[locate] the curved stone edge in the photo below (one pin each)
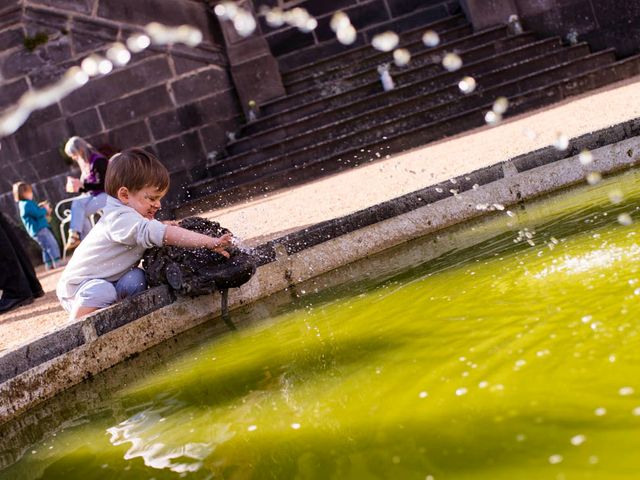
(70, 355)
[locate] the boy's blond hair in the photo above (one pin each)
(135, 169)
(19, 189)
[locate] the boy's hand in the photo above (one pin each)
(221, 243)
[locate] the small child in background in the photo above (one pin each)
(104, 269)
(34, 219)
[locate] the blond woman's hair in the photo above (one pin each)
(79, 146)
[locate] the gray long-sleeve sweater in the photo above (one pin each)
(112, 248)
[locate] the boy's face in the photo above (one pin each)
(146, 201)
(28, 194)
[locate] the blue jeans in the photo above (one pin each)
(99, 293)
(49, 246)
(82, 208)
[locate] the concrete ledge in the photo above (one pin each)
(36, 372)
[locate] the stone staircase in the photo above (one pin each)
(336, 114)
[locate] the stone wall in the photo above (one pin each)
(178, 102)
(600, 23)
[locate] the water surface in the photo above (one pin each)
(515, 358)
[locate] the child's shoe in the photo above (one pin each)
(73, 241)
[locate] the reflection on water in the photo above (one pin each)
(513, 356)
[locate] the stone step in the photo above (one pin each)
(427, 18)
(327, 111)
(207, 193)
(373, 58)
(384, 124)
(409, 38)
(472, 48)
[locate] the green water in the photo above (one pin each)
(500, 361)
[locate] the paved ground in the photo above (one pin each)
(353, 190)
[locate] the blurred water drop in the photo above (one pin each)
(578, 440)
(626, 391)
(492, 118)
(600, 411)
(386, 41)
(561, 142)
(467, 85)
(616, 196)
(401, 57)
(423, 395)
(529, 133)
(430, 38)
(252, 428)
(339, 20)
(295, 426)
(90, 65)
(593, 178)
(555, 459)
(625, 219)
(274, 17)
(501, 105)
(636, 411)
(138, 42)
(452, 62)
(346, 35)
(586, 157)
(119, 54)
(461, 391)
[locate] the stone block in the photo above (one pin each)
(94, 28)
(181, 152)
(187, 64)
(19, 62)
(132, 135)
(488, 13)
(200, 84)
(403, 7)
(80, 6)
(32, 139)
(258, 80)
(121, 82)
(214, 136)
(7, 177)
(10, 17)
(362, 15)
(173, 122)
(58, 50)
(131, 309)
(141, 12)
(288, 40)
(85, 123)
(45, 21)
(136, 106)
(11, 38)
(48, 163)
(11, 92)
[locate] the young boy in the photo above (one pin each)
(104, 268)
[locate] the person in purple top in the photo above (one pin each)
(90, 185)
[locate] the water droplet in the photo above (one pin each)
(430, 38)
(492, 118)
(252, 428)
(467, 85)
(587, 318)
(401, 57)
(346, 35)
(423, 395)
(521, 437)
(555, 459)
(529, 133)
(600, 411)
(593, 459)
(616, 196)
(593, 178)
(395, 459)
(386, 41)
(625, 219)
(626, 391)
(452, 62)
(578, 440)
(461, 391)
(501, 105)
(585, 157)
(636, 411)
(295, 426)
(561, 142)
(483, 384)
(429, 477)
